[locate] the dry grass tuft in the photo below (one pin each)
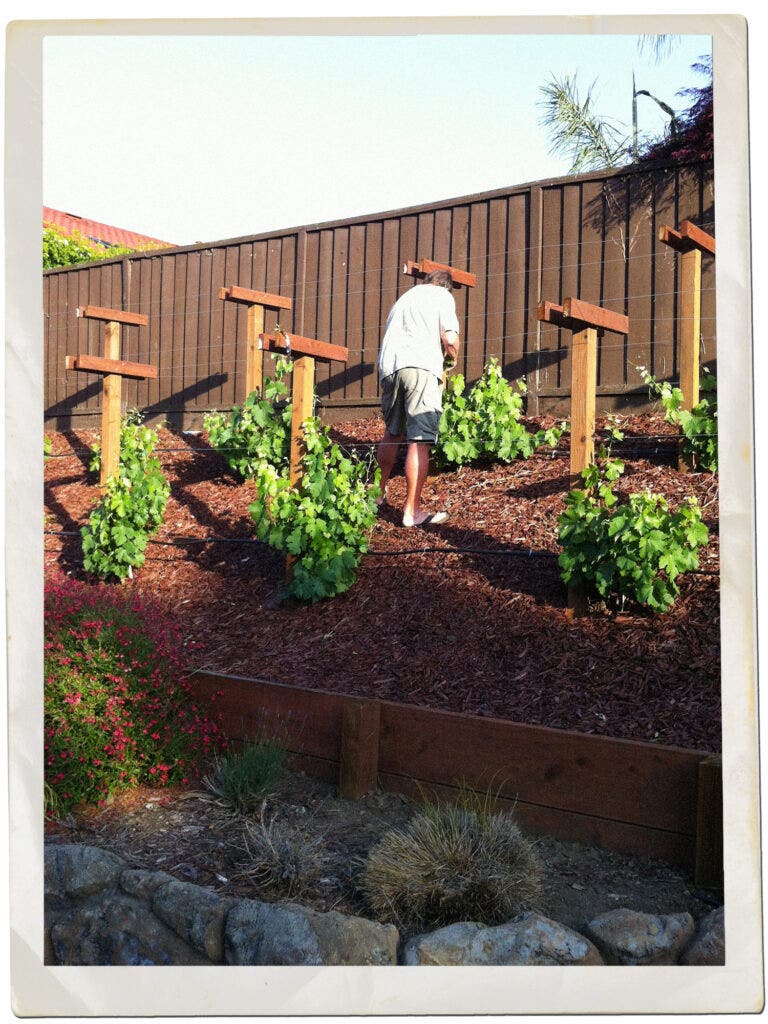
(452, 863)
(285, 861)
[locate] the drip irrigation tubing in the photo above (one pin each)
(491, 552)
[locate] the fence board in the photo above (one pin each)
(665, 281)
(353, 334)
(610, 352)
(553, 339)
(373, 318)
(478, 348)
(516, 360)
(496, 279)
(570, 255)
(639, 276)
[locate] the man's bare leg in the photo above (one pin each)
(416, 469)
(386, 456)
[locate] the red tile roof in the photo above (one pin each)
(102, 234)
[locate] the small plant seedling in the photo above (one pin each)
(699, 426)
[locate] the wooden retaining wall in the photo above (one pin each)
(632, 797)
(593, 236)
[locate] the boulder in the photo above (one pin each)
(74, 871)
(631, 938)
(195, 914)
(526, 940)
(708, 946)
(122, 932)
(269, 934)
(143, 884)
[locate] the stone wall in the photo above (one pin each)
(99, 911)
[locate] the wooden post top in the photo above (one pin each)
(117, 316)
(575, 314)
(237, 294)
(424, 267)
(688, 236)
(98, 364)
(294, 344)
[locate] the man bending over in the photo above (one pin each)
(421, 330)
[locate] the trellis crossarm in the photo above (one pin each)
(688, 237)
(294, 344)
(237, 294)
(551, 313)
(98, 364)
(117, 316)
(576, 314)
(595, 316)
(424, 267)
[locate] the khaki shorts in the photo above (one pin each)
(412, 403)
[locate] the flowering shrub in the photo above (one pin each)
(118, 708)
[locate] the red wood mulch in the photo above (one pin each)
(485, 634)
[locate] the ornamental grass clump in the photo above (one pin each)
(240, 779)
(119, 710)
(286, 861)
(451, 863)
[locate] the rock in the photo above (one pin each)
(527, 940)
(120, 931)
(708, 946)
(268, 934)
(78, 871)
(195, 914)
(140, 883)
(634, 939)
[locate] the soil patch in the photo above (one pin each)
(182, 833)
(468, 616)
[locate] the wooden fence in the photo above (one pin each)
(594, 236)
(633, 797)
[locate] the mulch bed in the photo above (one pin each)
(483, 631)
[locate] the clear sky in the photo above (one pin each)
(201, 138)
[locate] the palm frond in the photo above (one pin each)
(576, 130)
(658, 46)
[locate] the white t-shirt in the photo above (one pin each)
(414, 328)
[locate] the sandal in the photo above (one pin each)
(434, 519)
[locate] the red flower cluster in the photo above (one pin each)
(118, 705)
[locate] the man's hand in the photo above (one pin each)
(450, 340)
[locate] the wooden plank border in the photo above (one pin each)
(629, 796)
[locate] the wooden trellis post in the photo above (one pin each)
(257, 302)
(113, 369)
(304, 351)
(690, 241)
(584, 320)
